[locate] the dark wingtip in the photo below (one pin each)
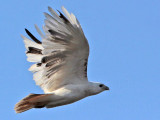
(39, 64)
(43, 60)
(63, 17)
(32, 37)
(34, 50)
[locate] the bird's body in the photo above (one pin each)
(68, 94)
(60, 67)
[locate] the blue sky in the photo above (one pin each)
(124, 38)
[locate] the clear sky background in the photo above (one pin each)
(124, 38)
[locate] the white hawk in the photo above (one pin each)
(60, 63)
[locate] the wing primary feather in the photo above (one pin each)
(54, 14)
(63, 17)
(67, 15)
(39, 31)
(39, 64)
(54, 62)
(54, 33)
(54, 55)
(32, 37)
(61, 41)
(34, 50)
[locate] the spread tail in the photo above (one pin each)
(32, 101)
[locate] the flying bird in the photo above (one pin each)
(60, 63)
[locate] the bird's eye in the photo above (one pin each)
(101, 85)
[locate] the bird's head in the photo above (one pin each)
(97, 88)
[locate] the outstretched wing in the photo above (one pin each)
(61, 58)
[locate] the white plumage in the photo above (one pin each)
(60, 63)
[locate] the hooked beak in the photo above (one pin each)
(106, 88)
